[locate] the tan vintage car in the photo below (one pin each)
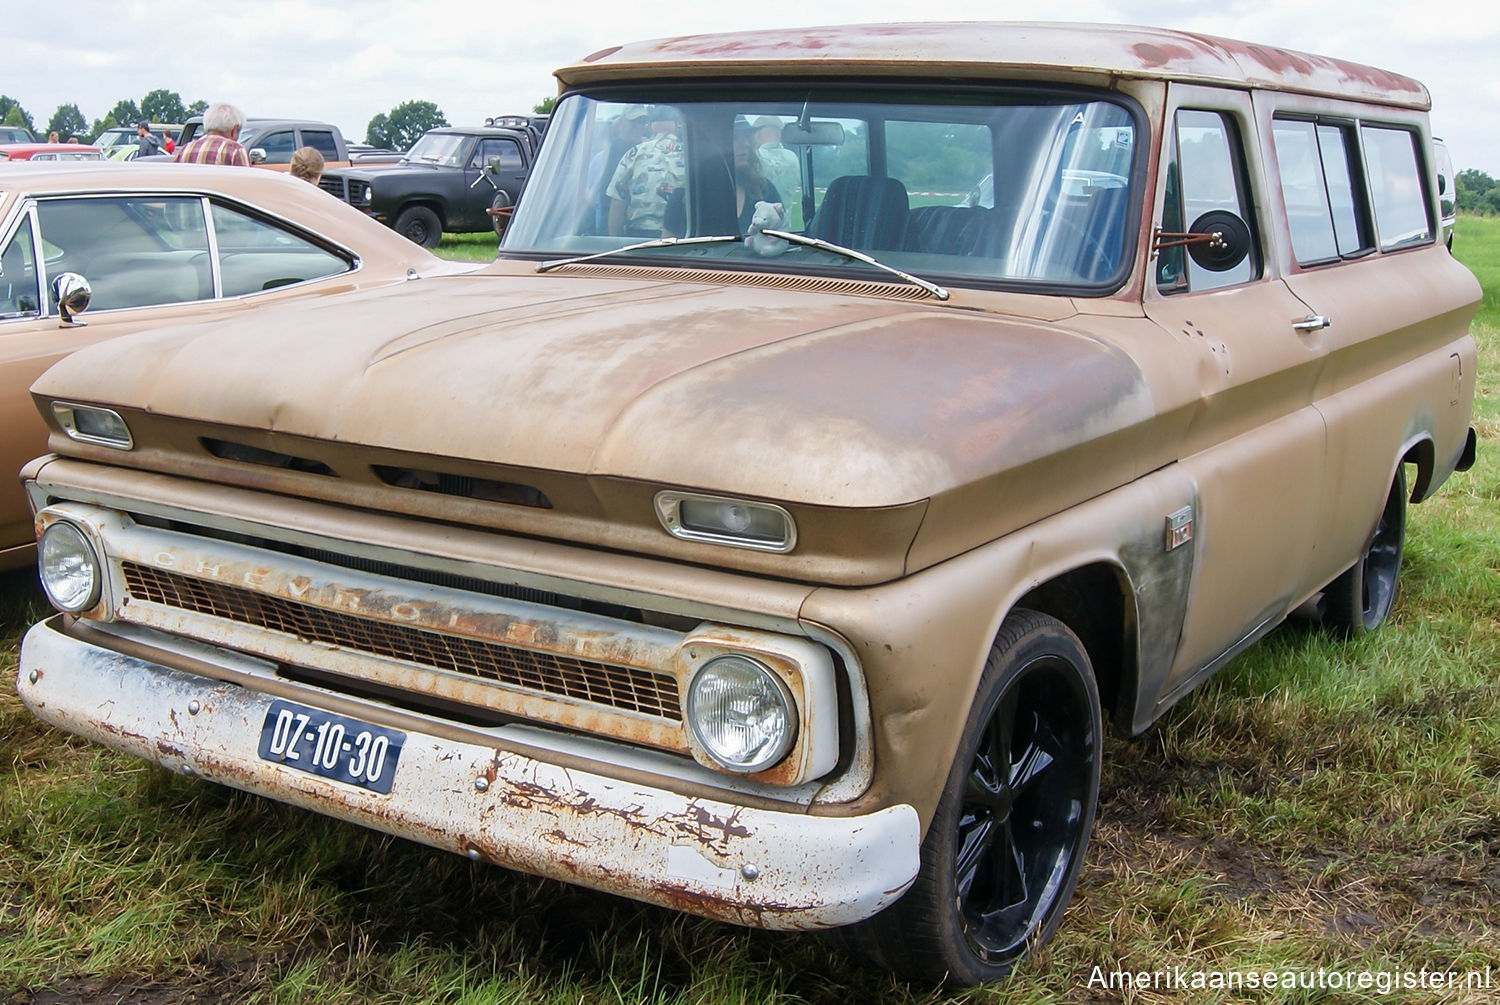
(157, 245)
(855, 421)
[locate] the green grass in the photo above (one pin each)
(468, 247)
(1318, 804)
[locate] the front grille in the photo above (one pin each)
(333, 186)
(627, 688)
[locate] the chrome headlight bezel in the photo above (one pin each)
(63, 542)
(763, 684)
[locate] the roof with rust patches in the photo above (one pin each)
(1092, 53)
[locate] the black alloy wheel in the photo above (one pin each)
(1006, 844)
(1360, 600)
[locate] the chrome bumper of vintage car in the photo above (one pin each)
(768, 868)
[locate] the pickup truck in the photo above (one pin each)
(453, 179)
(277, 139)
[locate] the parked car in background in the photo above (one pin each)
(535, 126)
(277, 139)
(786, 576)
(48, 152)
(157, 245)
(119, 143)
(1447, 193)
(16, 134)
(449, 181)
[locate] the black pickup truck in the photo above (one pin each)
(449, 181)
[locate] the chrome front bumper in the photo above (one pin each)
(768, 868)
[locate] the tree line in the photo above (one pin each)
(1476, 192)
(397, 129)
(68, 122)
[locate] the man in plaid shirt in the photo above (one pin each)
(219, 143)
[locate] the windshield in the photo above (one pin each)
(1007, 187)
(436, 148)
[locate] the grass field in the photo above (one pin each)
(1320, 804)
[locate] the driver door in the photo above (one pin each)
(1254, 443)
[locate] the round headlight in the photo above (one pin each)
(68, 568)
(741, 713)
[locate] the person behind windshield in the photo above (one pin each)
(782, 166)
(624, 132)
(750, 182)
(646, 177)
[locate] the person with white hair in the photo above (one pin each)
(220, 142)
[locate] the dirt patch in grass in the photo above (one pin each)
(224, 979)
(1359, 896)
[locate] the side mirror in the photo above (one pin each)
(72, 294)
(257, 155)
(1218, 240)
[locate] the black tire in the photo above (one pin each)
(500, 220)
(1360, 600)
(1006, 844)
(419, 225)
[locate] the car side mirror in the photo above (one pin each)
(72, 294)
(1218, 240)
(257, 155)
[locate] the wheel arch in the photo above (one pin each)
(1423, 454)
(1096, 602)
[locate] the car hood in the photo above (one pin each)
(366, 172)
(812, 398)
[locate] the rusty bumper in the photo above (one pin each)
(752, 866)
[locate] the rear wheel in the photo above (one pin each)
(1360, 600)
(419, 225)
(1003, 854)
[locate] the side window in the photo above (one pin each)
(1395, 172)
(507, 154)
(1316, 163)
(320, 140)
(1205, 171)
(279, 146)
(256, 255)
(19, 297)
(135, 251)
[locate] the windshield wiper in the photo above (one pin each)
(660, 242)
(839, 249)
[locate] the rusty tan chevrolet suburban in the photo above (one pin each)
(854, 422)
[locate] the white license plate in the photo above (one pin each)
(331, 746)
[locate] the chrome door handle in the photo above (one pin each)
(1312, 323)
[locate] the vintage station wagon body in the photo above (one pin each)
(753, 577)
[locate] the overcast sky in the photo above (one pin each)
(344, 62)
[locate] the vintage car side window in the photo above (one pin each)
(279, 146)
(256, 255)
(322, 141)
(1204, 173)
(18, 276)
(504, 154)
(1318, 184)
(135, 251)
(1395, 171)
